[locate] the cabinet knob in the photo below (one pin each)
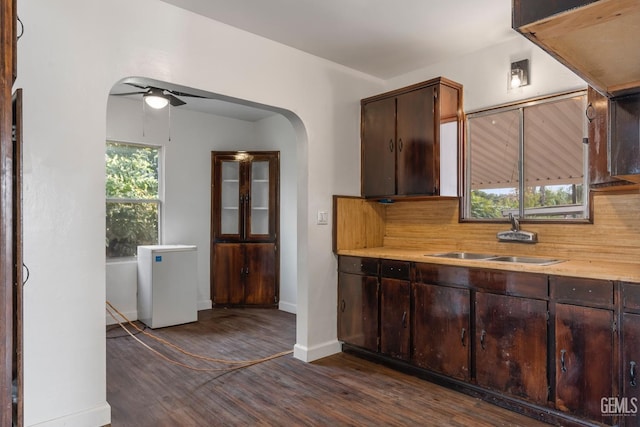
(391, 145)
(483, 334)
(400, 145)
(343, 305)
(462, 336)
(404, 320)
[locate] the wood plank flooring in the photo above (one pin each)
(341, 390)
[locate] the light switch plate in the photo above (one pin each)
(323, 218)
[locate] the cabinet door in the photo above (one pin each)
(511, 345)
(583, 360)
(260, 284)
(631, 356)
(440, 329)
(379, 148)
(227, 197)
(395, 300)
(227, 274)
(416, 142)
(358, 310)
(261, 197)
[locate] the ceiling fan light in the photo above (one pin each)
(156, 101)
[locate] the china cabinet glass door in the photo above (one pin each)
(259, 212)
(230, 209)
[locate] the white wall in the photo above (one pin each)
(72, 54)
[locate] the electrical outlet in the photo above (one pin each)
(323, 218)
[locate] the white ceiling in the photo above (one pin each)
(382, 38)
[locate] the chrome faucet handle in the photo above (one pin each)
(515, 224)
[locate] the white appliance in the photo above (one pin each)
(167, 285)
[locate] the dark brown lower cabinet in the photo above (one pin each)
(358, 310)
(244, 274)
(395, 313)
(511, 345)
(440, 329)
(583, 360)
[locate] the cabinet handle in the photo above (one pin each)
(343, 305)
(404, 320)
(483, 334)
(632, 371)
(462, 336)
(563, 367)
(400, 145)
(391, 145)
(246, 271)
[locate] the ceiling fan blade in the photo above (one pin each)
(137, 85)
(176, 93)
(127, 93)
(174, 101)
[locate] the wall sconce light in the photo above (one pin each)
(155, 98)
(519, 75)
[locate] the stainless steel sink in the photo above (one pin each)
(463, 255)
(498, 258)
(525, 260)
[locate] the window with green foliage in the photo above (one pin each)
(528, 160)
(133, 198)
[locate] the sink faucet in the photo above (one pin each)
(515, 225)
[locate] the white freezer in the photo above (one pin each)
(167, 285)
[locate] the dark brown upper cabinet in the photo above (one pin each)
(411, 139)
(595, 39)
(245, 196)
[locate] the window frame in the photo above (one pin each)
(465, 203)
(159, 201)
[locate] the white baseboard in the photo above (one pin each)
(93, 417)
(307, 354)
(131, 315)
(288, 307)
(205, 305)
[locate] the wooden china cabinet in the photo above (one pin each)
(11, 378)
(245, 228)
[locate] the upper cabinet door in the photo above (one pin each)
(415, 142)
(379, 147)
(261, 197)
(228, 197)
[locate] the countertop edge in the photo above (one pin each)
(625, 272)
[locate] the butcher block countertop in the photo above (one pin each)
(626, 272)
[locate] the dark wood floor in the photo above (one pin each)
(340, 390)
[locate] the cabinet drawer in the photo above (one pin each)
(582, 291)
(442, 275)
(358, 265)
(513, 283)
(631, 295)
(395, 269)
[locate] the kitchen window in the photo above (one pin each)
(132, 198)
(529, 160)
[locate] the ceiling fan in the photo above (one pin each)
(158, 98)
